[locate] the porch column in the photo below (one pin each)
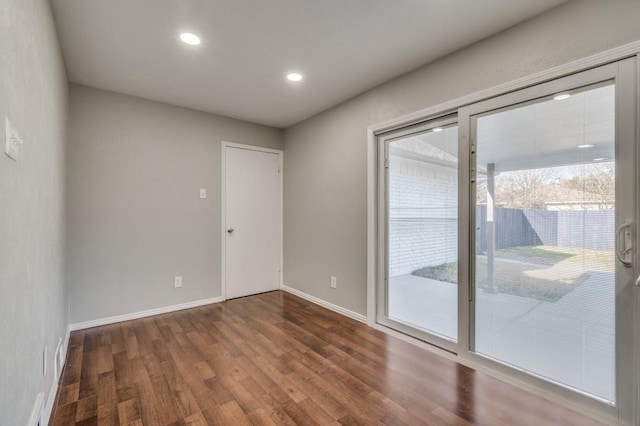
(491, 233)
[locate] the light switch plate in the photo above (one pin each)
(203, 192)
(12, 141)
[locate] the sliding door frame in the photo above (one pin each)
(621, 74)
(626, 410)
(382, 316)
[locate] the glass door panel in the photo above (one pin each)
(506, 234)
(422, 230)
(545, 209)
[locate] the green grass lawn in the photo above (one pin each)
(599, 260)
(544, 273)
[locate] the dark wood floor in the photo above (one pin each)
(276, 359)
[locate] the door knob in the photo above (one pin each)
(230, 231)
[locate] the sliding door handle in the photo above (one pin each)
(624, 243)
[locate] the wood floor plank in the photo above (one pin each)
(128, 411)
(68, 393)
(122, 369)
(65, 415)
(273, 409)
(117, 341)
(164, 402)
(260, 417)
(315, 412)
(107, 399)
(233, 414)
(73, 366)
(181, 394)
(105, 358)
(276, 359)
(322, 396)
(243, 397)
(151, 409)
(196, 419)
(89, 375)
(219, 393)
(87, 408)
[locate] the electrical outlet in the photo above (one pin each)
(177, 282)
(203, 193)
(12, 140)
(334, 282)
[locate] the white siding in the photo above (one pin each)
(422, 215)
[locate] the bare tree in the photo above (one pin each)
(596, 183)
(584, 186)
(525, 189)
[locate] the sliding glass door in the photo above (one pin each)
(420, 293)
(508, 236)
(552, 206)
(545, 204)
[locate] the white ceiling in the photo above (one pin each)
(547, 133)
(342, 47)
(541, 134)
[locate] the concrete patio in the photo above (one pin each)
(571, 341)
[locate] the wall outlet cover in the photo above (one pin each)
(12, 141)
(44, 360)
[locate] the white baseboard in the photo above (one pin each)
(142, 314)
(339, 309)
(53, 390)
(37, 413)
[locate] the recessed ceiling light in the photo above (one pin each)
(189, 38)
(437, 129)
(294, 76)
(561, 96)
(585, 146)
(599, 159)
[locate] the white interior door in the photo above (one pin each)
(252, 221)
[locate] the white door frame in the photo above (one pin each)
(223, 212)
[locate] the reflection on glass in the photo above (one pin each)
(423, 231)
(545, 217)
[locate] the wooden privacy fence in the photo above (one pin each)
(590, 229)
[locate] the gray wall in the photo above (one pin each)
(135, 219)
(33, 301)
(325, 175)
